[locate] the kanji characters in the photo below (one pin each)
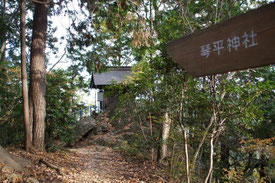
(205, 50)
(233, 43)
(247, 40)
(218, 45)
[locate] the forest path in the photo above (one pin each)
(88, 164)
(102, 164)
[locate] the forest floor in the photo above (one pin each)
(90, 160)
(87, 164)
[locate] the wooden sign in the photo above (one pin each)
(245, 41)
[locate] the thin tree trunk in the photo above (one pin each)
(38, 73)
(3, 49)
(214, 137)
(150, 121)
(211, 158)
(31, 114)
(186, 156)
(187, 166)
(151, 133)
(141, 127)
(165, 134)
(3, 6)
(202, 140)
(184, 138)
(28, 130)
(3, 36)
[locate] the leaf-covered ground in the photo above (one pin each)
(89, 164)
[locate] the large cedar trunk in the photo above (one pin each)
(38, 73)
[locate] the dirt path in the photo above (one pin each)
(90, 164)
(102, 164)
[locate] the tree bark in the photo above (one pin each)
(38, 73)
(3, 49)
(151, 132)
(31, 115)
(207, 179)
(165, 134)
(185, 138)
(187, 166)
(28, 129)
(186, 156)
(3, 39)
(202, 142)
(214, 137)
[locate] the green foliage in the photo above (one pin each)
(11, 109)
(122, 31)
(244, 101)
(60, 98)
(61, 101)
(245, 106)
(129, 149)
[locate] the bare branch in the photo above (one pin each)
(58, 61)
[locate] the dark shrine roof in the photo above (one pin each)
(114, 74)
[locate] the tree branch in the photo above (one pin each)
(57, 61)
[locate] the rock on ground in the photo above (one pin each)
(11, 161)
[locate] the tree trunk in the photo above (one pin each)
(186, 156)
(185, 138)
(28, 130)
(214, 137)
(151, 132)
(3, 49)
(31, 115)
(210, 170)
(3, 37)
(205, 133)
(165, 134)
(38, 73)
